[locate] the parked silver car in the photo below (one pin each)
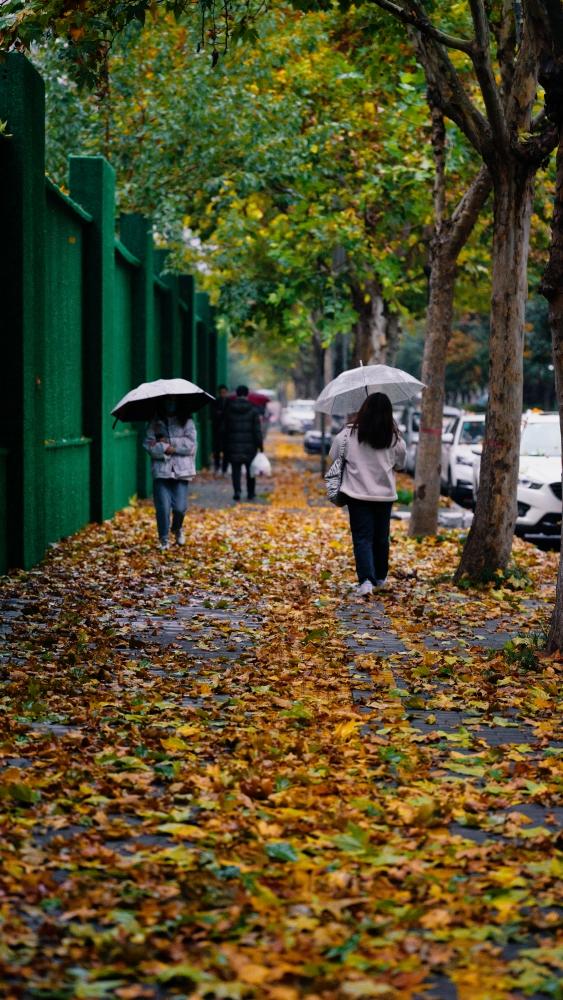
(298, 416)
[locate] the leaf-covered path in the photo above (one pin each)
(221, 776)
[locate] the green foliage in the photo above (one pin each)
(292, 186)
(523, 651)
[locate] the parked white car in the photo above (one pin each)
(539, 477)
(409, 424)
(298, 416)
(464, 433)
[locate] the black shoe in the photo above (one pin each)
(236, 497)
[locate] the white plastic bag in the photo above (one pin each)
(260, 465)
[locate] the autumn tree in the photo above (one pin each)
(497, 116)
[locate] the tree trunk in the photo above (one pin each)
(489, 543)
(449, 238)
(376, 328)
(424, 518)
(552, 288)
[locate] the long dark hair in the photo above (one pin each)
(374, 423)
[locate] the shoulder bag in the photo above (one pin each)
(333, 478)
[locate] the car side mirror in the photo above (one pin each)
(447, 438)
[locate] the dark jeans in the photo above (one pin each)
(170, 495)
(236, 468)
(369, 523)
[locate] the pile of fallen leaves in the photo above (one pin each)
(248, 808)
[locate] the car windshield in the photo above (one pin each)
(472, 432)
(542, 438)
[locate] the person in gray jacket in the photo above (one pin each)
(171, 441)
(373, 450)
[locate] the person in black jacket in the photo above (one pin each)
(243, 438)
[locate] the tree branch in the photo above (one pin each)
(484, 71)
(422, 23)
(443, 80)
(467, 210)
(448, 93)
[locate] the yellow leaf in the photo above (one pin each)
(346, 729)
(174, 743)
(366, 988)
(254, 974)
(189, 729)
(182, 830)
(506, 877)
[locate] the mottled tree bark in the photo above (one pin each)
(377, 329)
(424, 518)
(489, 542)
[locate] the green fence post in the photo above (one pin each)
(222, 359)
(92, 185)
(136, 234)
(171, 330)
(203, 368)
(189, 332)
(22, 291)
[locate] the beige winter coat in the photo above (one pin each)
(182, 438)
(369, 473)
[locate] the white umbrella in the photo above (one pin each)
(346, 393)
(140, 403)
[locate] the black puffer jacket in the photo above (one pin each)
(243, 434)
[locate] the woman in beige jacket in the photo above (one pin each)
(373, 449)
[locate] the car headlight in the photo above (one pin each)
(460, 460)
(529, 483)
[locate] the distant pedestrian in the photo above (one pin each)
(373, 449)
(171, 441)
(243, 436)
(218, 413)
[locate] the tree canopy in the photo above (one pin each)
(298, 187)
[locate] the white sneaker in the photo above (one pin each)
(381, 584)
(365, 589)
(164, 543)
(180, 537)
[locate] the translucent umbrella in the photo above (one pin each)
(346, 393)
(140, 403)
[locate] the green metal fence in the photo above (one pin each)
(89, 311)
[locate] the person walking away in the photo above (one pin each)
(243, 437)
(374, 449)
(220, 456)
(171, 441)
